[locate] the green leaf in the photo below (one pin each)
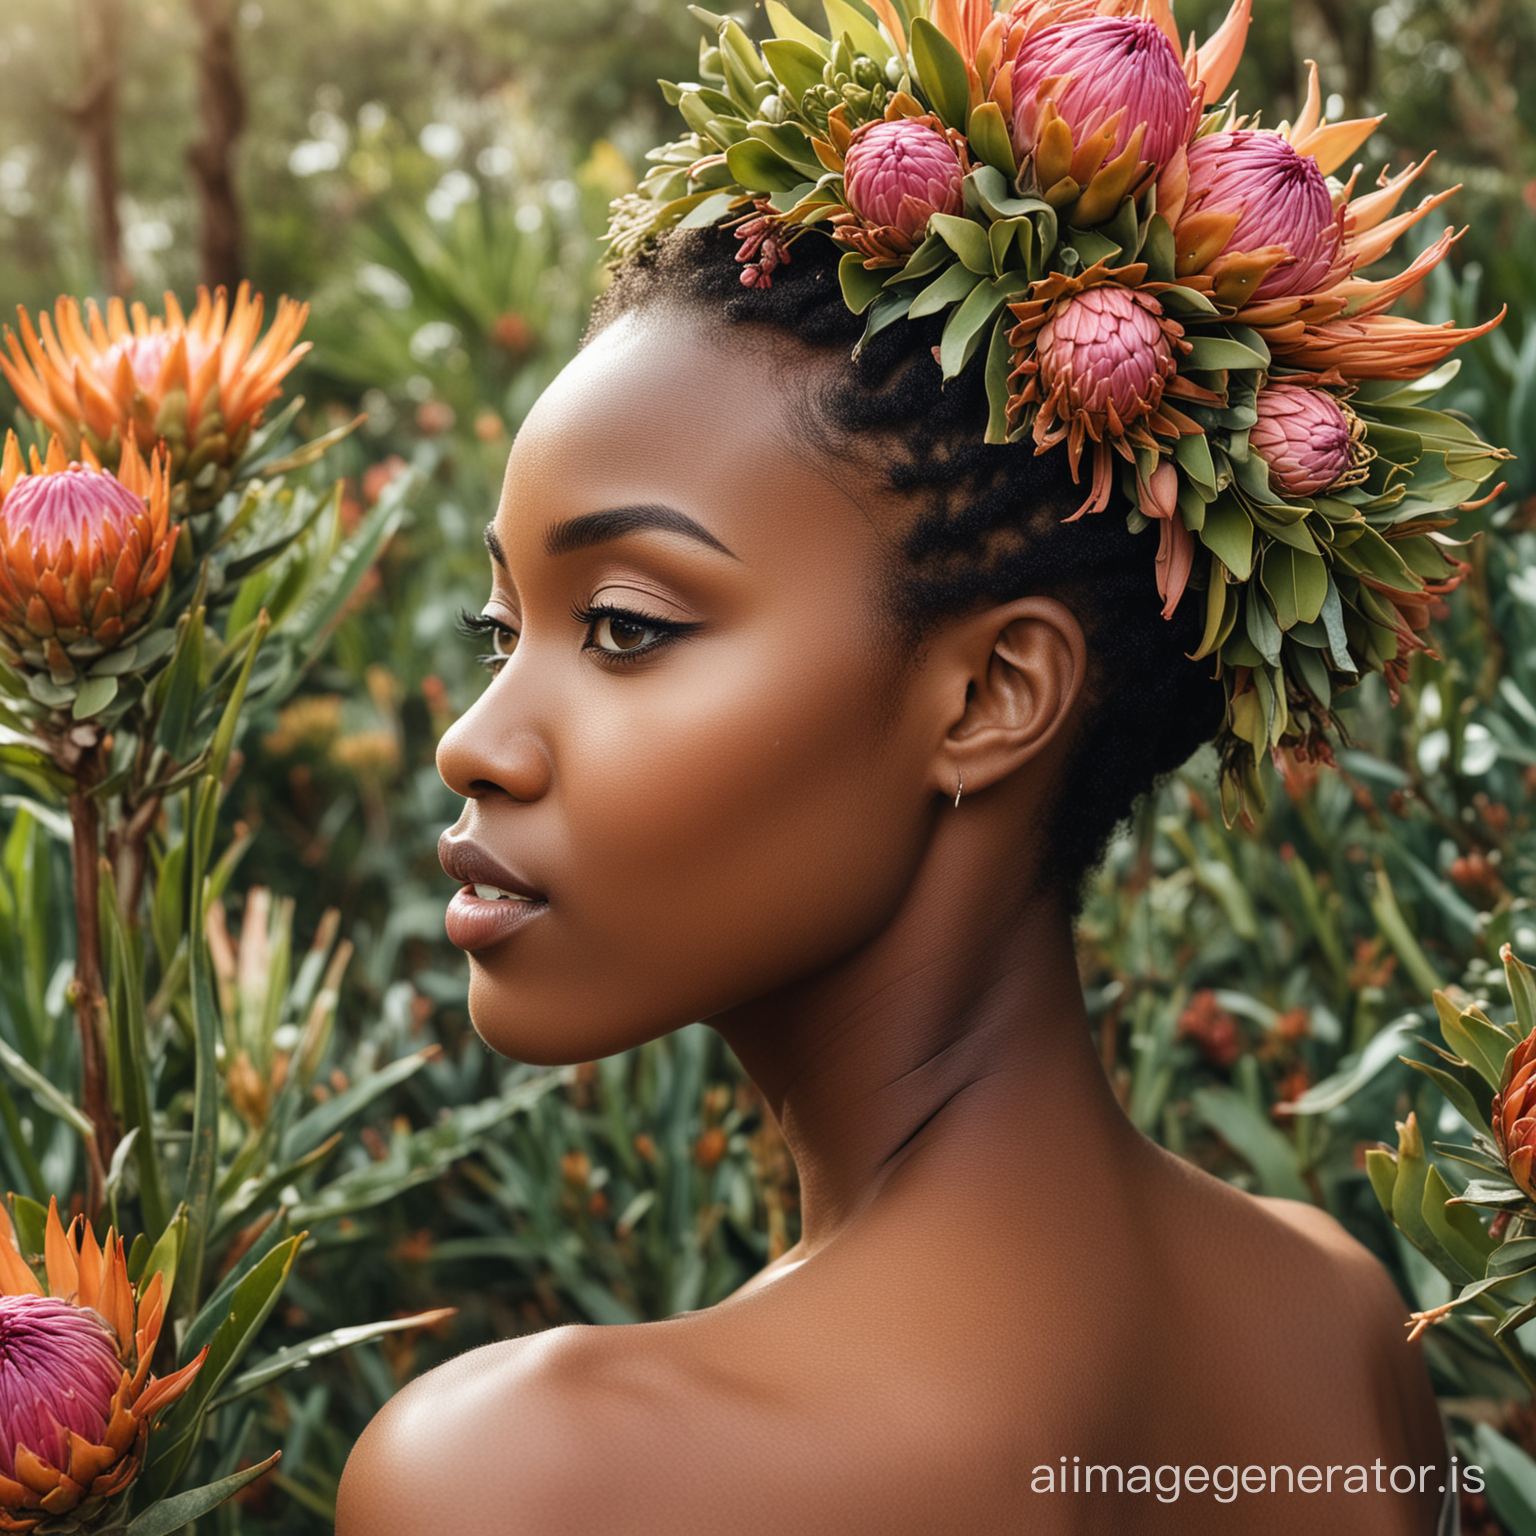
(942, 74)
(1355, 1072)
(999, 366)
(1296, 582)
(182, 686)
(790, 143)
(950, 287)
(787, 25)
(1457, 1092)
(758, 169)
(796, 66)
(1193, 454)
(1381, 1169)
(45, 1095)
(174, 1514)
(1211, 354)
(967, 239)
(861, 287)
(327, 1118)
(94, 696)
(843, 19)
(1254, 1138)
(1228, 534)
(298, 1356)
(989, 138)
(1159, 252)
(1482, 1045)
(1456, 1227)
(1394, 928)
(966, 327)
(249, 1308)
(1509, 1476)
(1522, 988)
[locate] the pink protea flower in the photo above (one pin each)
(77, 1400)
(1095, 71)
(82, 552)
(899, 174)
(1096, 367)
(1105, 355)
(1304, 436)
(1251, 191)
(58, 1373)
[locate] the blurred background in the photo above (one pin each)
(432, 176)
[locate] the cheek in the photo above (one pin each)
(730, 823)
(752, 812)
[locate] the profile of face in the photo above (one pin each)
(702, 754)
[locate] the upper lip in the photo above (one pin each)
(470, 864)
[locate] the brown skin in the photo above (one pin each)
(753, 824)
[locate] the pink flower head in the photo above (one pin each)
(1108, 354)
(76, 506)
(1105, 65)
(59, 1370)
(1279, 197)
(1303, 435)
(899, 174)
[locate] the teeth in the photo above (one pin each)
(495, 893)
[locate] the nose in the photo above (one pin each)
(489, 751)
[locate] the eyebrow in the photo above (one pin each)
(599, 527)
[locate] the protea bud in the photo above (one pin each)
(76, 1396)
(197, 384)
(1104, 357)
(1514, 1114)
(899, 174)
(1250, 191)
(1305, 436)
(1107, 70)
(82, 553)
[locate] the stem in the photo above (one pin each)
(90, 996)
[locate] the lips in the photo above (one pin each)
(470, 864)
(492, 902)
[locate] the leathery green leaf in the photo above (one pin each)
(942, 74)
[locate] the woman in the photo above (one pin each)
(810, 711)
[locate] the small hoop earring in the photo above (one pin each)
(959, 787)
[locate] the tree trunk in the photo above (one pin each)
(95, 118)
(221, 120)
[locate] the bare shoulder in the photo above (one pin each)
(553, 1433)
(1358, 1279)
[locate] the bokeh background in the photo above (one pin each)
(432, 176)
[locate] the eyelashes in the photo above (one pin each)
(476, 626)
(593, 618)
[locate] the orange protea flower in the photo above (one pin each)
(1264, 238)
(1514, 1114)
(198, 385)
(77, 1399)
(82, 552)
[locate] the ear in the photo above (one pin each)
(1013, 679)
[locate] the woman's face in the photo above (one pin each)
(698, 750)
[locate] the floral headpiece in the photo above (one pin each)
(1159, 289)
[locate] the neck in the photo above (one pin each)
(961, 1024)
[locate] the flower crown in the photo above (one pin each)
(1157, 287)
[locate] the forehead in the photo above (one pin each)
(666, 408)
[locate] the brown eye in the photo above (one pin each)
(616, 634)
(503, 641)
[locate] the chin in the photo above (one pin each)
(553, 1033)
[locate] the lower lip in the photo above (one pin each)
(475, 924)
